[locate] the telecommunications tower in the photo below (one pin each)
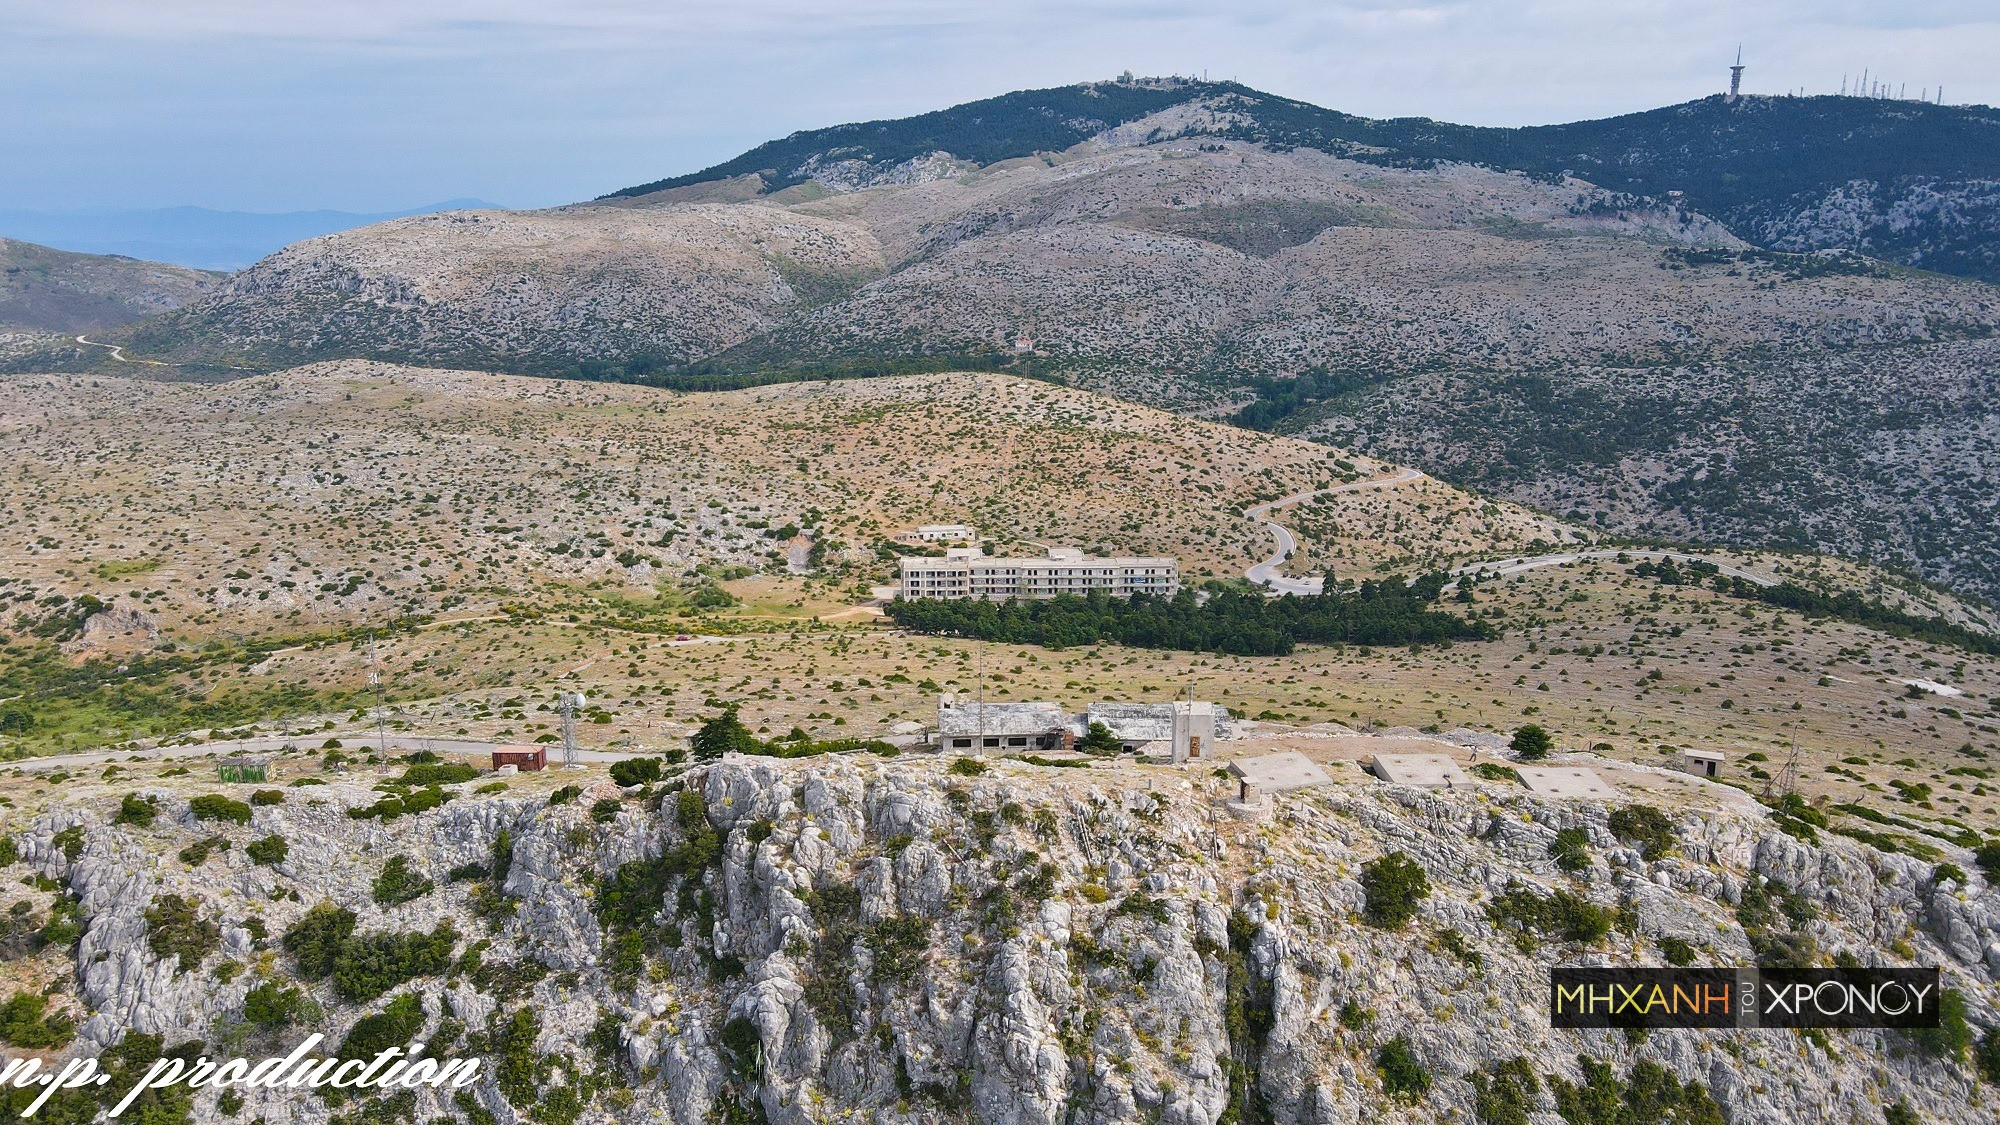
(570, 702)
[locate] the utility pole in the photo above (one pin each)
(381, 699)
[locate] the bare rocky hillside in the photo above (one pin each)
(55, 291)
(887, 941)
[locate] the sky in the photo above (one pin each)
(278, 105)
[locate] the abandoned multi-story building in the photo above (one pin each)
(967, 572)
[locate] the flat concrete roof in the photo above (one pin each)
(1432, 771)
(975, 718)
(1276, 773)
(1565, 781)
(1706, 755)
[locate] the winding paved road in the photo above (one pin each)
(1267, 573)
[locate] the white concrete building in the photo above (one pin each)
(1175, 731)
(967, 572)
(971, 726)
(945, 533)
(1702, 763)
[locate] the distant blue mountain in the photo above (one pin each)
(194, 236)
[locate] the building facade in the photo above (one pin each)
(967, 572)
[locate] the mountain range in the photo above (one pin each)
(1614, 289)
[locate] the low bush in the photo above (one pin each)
(269, 851)
(136, 811)
(397, 883)
(1391, 887)
(273, 1005)
(1571, 850)
(394, 1026)
(635, 771)
(25, 1022)
(1560, 915)
(1403, 1077)
(1645, 826)
(215, 806)
(175, 928)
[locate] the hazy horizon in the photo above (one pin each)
(251, 105)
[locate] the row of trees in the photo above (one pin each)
(1237, 622)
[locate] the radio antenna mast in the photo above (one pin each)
(569, 702)
(381, 699)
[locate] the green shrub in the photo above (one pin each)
(1139, 904)
(268, 796)
(272, 1005)
(175, 928)
(1645, 826)
(197, 853)
(899, 944)
(394, 1026)
(64, 926)
(136, 811)
(565, 795)
(316, 940)
(1571, 850)
(723, 734)
(1986, 1057)
(10, 851)
(1531, 743)
(269, 851)
(215, 806)
(1677, 951)
(635, 771)
(606, 810)
(968, 767)
(1403, 1077)
(1651, 1094)
(398, 884)
(370, 964)
(25, 1022)
(69, 842)
(428, 774)
(1561, 915)
(1505, 1092)
(1098, 740)
(1952, 1038)
(1494, 771)
(1392, 886)
(1988, 858)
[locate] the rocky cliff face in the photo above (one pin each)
(867, 940)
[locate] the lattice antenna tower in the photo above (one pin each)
(569, 703)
